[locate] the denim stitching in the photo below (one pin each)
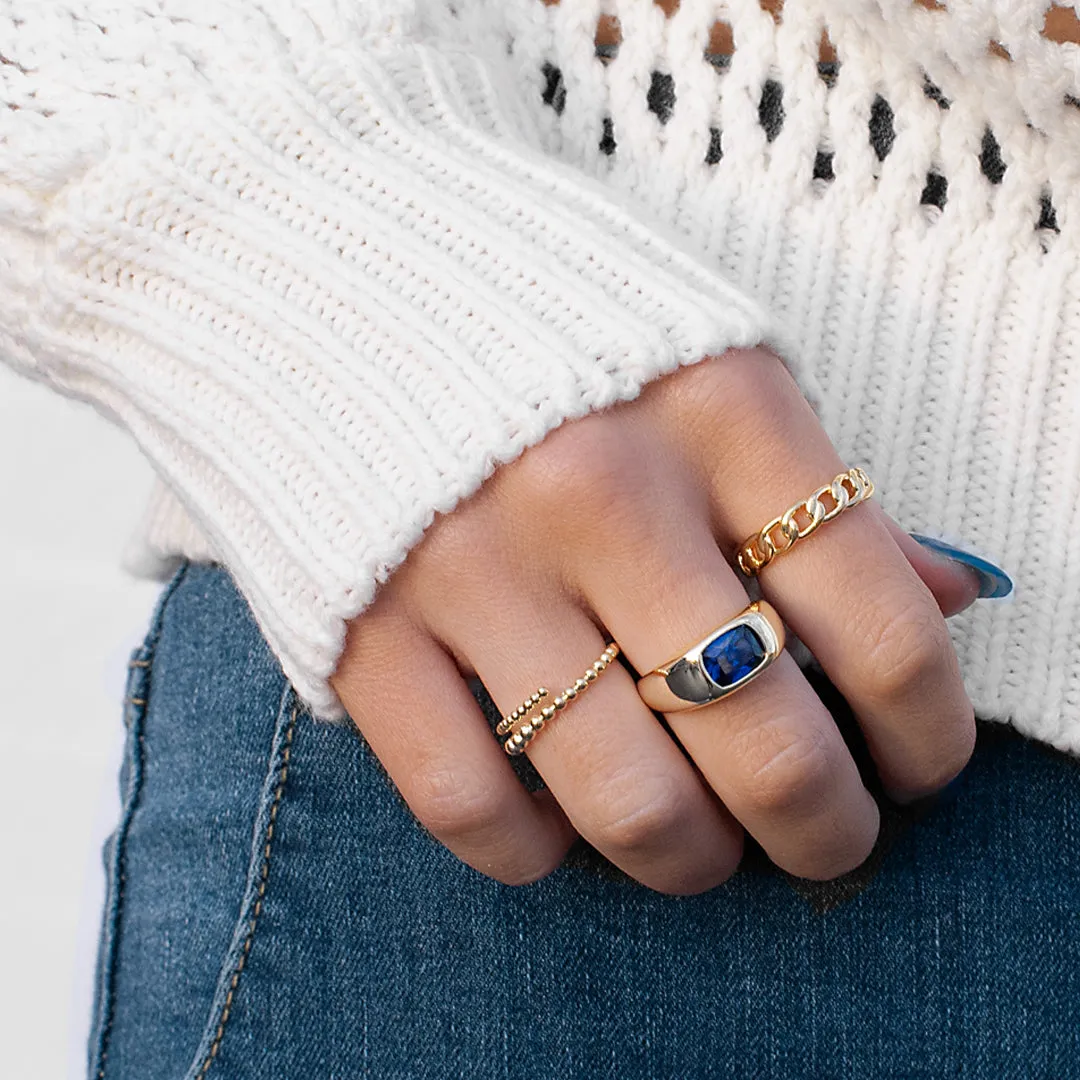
(134, 716)
(263, 878)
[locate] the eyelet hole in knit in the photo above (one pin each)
(716, 147)
(668, 7)
(936, 191)
(775, 8)
(721, 46)
(608, 37)
(771, 109)
(995, 48)
(882, 127)
(933, 92)
(1047, 214)
(990, 159)
(828, 62)
(661, 96)
(607, 139)
(1061, 25)
(554, 87)
(823, 166)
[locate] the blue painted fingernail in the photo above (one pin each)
(993, 581)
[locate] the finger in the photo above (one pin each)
(621, 779)
(954, 587)
(771, 751)
(849, 593)
(414, 709)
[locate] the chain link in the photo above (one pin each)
(846, 490)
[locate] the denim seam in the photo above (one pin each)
(255, 890)
(136, 699)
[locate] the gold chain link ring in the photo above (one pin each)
(848, 489)
(535, 721)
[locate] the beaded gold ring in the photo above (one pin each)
(535, 715)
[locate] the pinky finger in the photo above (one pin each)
(432, 738)
(954, 586)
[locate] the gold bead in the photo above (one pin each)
(571, 693)
(590, 675)
(547, 712)
(580, 685)
(560, 702)
(524, 731)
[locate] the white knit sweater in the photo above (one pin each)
(334, 261)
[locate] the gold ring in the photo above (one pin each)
(535, 715)
(847, 490)
(721, 663)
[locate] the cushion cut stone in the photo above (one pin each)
(733, 655)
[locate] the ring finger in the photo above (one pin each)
(621, 780)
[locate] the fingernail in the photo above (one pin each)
(993, 581)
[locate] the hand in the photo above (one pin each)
(621, 525)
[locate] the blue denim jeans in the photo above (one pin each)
(275, 912)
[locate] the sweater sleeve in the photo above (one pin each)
(321, 269)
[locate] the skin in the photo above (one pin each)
(623, 525)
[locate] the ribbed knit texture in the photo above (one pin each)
(332, 262)
(324, 278)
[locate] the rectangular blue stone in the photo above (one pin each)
(733, 655)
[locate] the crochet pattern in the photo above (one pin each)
(333, 261)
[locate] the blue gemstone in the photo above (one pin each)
(733, 655)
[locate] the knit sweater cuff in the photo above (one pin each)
(329, 297)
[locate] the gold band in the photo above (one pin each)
(848, 489)
(717, 665)
(535, 720)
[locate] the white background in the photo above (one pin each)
(72, 490)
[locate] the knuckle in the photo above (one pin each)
(641, 816)
(910, 647)
(732, 385)
(584, 467)
(454, 804)
(375, 640)
(787, 768)
(448, 552)
(744, 393)
(723, 388)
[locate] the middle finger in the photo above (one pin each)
(772, 751)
